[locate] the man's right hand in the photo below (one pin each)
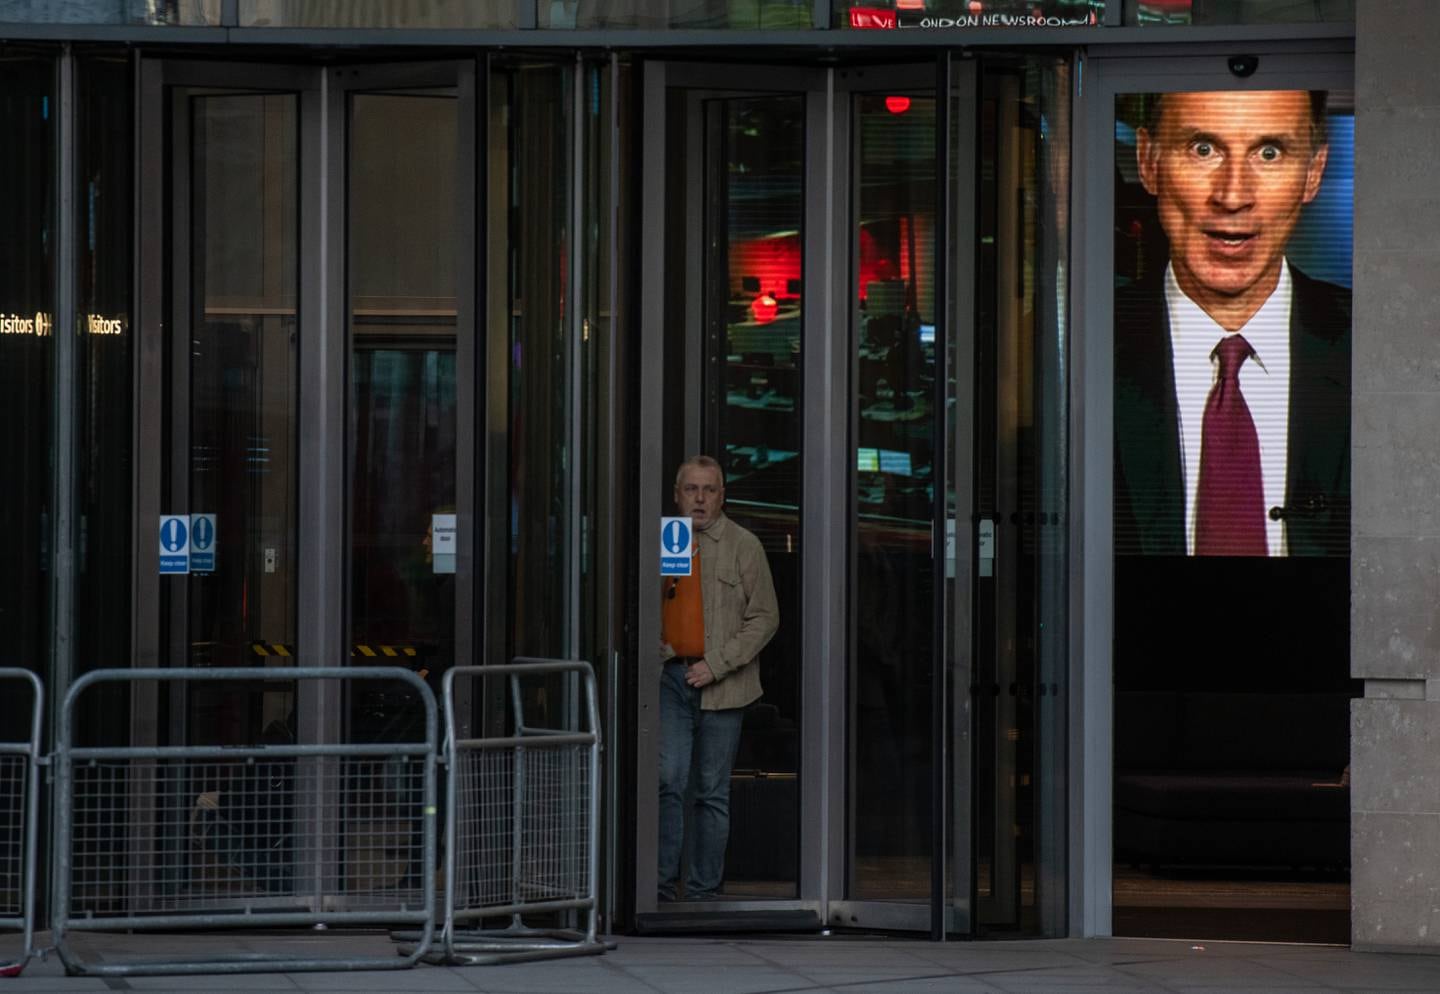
(665, 651)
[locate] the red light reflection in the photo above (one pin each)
(771, 264)
(764, 308)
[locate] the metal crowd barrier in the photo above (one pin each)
(19, 804)
(256, 836)
(523, 818)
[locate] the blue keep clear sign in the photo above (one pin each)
(174, 543)
(202, 543)
(675, 546)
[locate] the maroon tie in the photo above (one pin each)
(1230, 499)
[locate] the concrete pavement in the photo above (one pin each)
(812, 965)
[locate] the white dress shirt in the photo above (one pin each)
(1264, 383)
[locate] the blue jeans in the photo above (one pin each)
(705, 741)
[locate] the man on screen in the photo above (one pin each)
(1232, 371)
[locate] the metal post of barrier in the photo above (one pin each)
(20, 783)
(491, 791)
(517, 802)
(221, 834)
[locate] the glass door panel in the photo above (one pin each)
(892, 654)
(1020, 653)
(240, 379)
(731, 292)
(406, 227)
(402, 598)
(790, 327)
(537, 375)
(539, 333)
(224, 330)
(1005, 661)
(218, 372)
(403, 264)
(751, 421)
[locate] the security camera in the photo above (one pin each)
(1243, 66)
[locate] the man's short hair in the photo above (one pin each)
(1319, 99)
(700, 462)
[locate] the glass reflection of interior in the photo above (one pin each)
(138, 12)
(377, 14)
(753, 301)
(244, 169)
(402, 310)
(894, 322)
(888, 14)
(739, 14)
(403, 252)
(1165, 12)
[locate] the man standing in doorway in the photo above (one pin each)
(714, 623)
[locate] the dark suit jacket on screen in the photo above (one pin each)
(1149, 488)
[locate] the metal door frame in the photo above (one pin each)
(830, 258)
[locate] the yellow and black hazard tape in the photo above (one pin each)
(368, 650)
(361, 649)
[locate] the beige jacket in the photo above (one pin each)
(741, 614)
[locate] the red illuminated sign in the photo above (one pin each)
(872, 18)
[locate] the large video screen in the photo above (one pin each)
(1233, 225)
